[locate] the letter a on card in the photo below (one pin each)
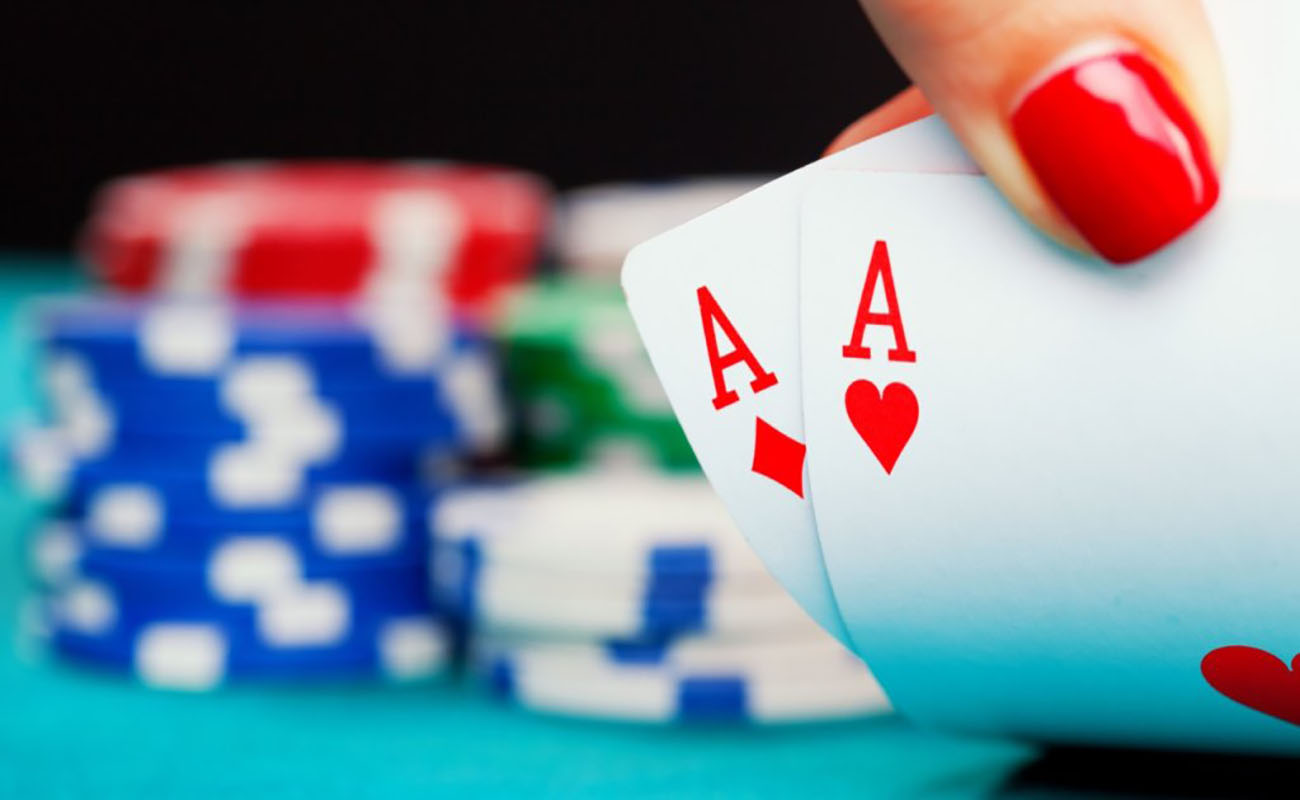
(712, 318)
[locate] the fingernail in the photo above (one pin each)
(1116, 151)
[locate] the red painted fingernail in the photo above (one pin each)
(1117, 152)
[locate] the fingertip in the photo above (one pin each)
(1109, 148)
(907, 106)
(1115, 149)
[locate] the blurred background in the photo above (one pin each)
(335, 463)
(583, 92)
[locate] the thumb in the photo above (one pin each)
(1103, 122)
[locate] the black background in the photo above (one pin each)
(579, 91)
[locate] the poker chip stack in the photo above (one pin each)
(241, 456)
(582, 389)
(630, 595)
(320, 229)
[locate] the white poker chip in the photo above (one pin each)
(455, 577)
(521, 602)
(655, 695)
(612, 522)
(596, 226)
(803, 655)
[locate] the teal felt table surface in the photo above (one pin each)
(69, 732)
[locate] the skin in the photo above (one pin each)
(970, 61)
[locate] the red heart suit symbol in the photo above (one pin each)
(1256, 679)
(885, 421)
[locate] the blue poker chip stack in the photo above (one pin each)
(630, 595)
(239, 490)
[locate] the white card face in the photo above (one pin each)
(1066, 508)
(738, 268)
(1257, 41)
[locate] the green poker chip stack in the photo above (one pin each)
(583, 390)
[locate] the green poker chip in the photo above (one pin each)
(582, 388)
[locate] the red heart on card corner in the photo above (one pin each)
(885, 420)
(1255, 678)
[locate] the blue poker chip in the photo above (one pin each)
(225, 391)
(194, 650)
(233, 494)
(361, 521)
(254, 607)
(206, 368)
(393, 426)
(134, 338)
(243, 574)
(196, 560)
(382, 411)
(166, 462)
(228, 474)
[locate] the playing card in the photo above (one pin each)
(1057, 499)
(716, 303)
(1049, 512)
(1257, 44)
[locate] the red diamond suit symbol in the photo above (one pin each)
(778, 456)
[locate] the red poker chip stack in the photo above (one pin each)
(324, 229)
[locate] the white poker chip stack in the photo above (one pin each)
(631, 595)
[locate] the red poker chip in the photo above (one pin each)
(319, 229)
